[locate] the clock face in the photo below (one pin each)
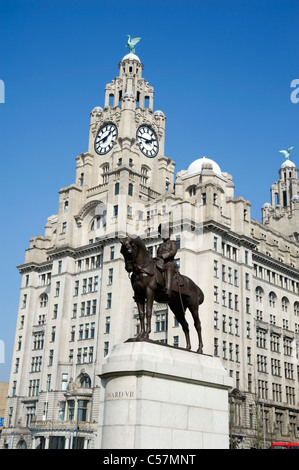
(148, 141)
(105, 138)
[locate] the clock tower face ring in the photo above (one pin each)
(148, 142)
(105, 138)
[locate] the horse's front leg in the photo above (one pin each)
(140, 306)
(149, 311)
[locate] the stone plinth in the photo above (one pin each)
(160, 397)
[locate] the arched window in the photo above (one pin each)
(284, 304)
(22, 444)
(130, 189)
(98, 222)
(105, 175)
(259, 294)
(85, 382)
(272, 299)
(296, 309)
(192, 191)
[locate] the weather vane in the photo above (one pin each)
(132, 43)
(286, 153)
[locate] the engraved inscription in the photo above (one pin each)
(119, 394)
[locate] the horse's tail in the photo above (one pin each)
(201, 296)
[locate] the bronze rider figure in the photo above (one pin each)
(165, 258)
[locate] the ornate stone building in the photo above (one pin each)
(76, 299)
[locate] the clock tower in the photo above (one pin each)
(126, 141)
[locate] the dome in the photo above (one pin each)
(131, 56)
(288, 164)
(204, 162)
(97, 109)
(159, 113)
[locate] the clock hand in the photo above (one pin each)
(148, 141)
(103, 139)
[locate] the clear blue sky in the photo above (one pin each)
(221, 70)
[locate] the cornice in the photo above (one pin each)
(274, 263)
(239, 239)
(38, 267)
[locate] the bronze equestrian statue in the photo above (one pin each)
(150, 284)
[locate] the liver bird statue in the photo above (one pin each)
(286, 153)
(132, 43)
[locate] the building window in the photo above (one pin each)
(236, 302)
(53, 332)
(215, 243)
(30, 415)
(284, 304)
(57, 288)
(248, 355)
(51, 357)
(130, 189)
(192, 191)
(116, 189)
(82, 410)
(76, 290)
(261, 338)
(272, 297)
(216, 320)
(71, 410)
(33, 389)
(215, 268)
(112, 253)
(216, 347)
(106, 348)
(224, 350)
(64, 382)
(38, 341)
(109, 299)
(107, 325)
(236, 281)
(161, 322)
(43, 300)
(216, 294)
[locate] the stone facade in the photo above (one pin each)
(76, 299)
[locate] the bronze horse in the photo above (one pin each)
(148, 285)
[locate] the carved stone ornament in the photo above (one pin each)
(71, 387)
